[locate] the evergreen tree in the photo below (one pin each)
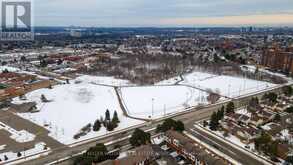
(254, 102)
(223, 109)
(94, 154)
(43, 98)
(180, 126)
(115, 118)
(111, 126)
(288, 91)
(289, 109)
(139, 138)
(272, 97)
(107, 115)
(230, 108)
(220, 114)
(97, 125)
(205, 123)
(169, 124)
(214, 122)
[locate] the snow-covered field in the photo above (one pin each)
(73, 106)
(170, 81)
(225, 85)
(163, 100)
(103, 80)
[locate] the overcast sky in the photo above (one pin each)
(162, 12)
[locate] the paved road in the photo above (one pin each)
(188, 118)
(229, 150)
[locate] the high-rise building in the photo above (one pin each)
(278, 59)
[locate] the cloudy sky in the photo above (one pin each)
(117, 13)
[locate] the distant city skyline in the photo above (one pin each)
(164, 13)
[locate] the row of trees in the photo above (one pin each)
(99, 153)
(169, 124)
(96, 154)
(271, 97)
(140, 137)
(108, 123)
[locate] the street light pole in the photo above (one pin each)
(152, 107)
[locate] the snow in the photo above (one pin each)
(174, 154)
(252, 68)
(19, 136)
(210, 149)
(237, 141)
(225, 85)
(231, 138)
(23, 136)
(170, 81)
(39, 147)
(285, 135)
(2, 147)
(162, 100)
(10, 69)
(158, 140)
(122, 155)
(103, 80)
(165, 147)
(266, 127)
(197, 77)
(244, 112)
(73, 106)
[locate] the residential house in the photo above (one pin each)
(192, 151)
(143, 155)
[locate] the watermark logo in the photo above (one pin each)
(16, 21)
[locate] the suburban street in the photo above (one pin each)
(225, 148)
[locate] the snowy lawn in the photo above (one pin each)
(73, 106)
(103, 80)
(225, 85)
(170, 81)
(163, 100)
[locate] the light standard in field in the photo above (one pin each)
(164, 110)
(153, 107)
(229, 87)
